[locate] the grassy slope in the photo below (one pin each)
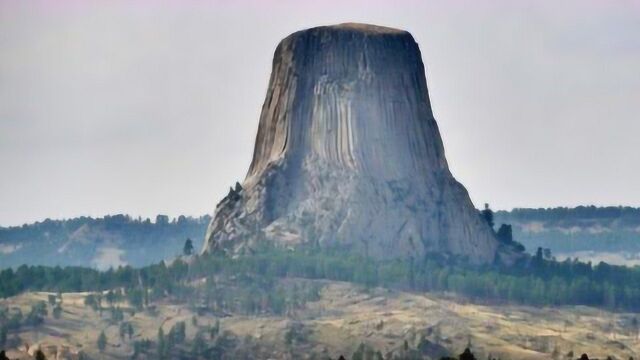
(347, 315)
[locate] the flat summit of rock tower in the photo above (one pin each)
(348, 155)
(367, 28)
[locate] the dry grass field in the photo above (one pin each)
(344, 317)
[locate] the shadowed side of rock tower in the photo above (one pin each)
(348, 154)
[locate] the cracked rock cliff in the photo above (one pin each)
(348, 155)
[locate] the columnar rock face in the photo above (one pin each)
(348, 155)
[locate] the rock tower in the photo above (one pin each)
(348, 155)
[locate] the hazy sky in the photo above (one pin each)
(152, 107)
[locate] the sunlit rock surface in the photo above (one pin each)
(348, 154)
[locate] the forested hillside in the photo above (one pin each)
(100, 243)
(588, 232)
(607, 233)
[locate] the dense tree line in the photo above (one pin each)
(625, 214)
(535, 280)
(268, 282)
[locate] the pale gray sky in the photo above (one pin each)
(152, 107)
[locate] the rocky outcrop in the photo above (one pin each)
(348, 154)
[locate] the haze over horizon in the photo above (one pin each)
(148, 108)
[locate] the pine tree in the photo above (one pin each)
(538, 259)
(40, 355)
(162, 343)
(187, 250)
(359, 353)
(123, 330)
(3, 336)
(57, 311)
(198, 346)
(102, 341)
(505, 234)
(487, 215)
(467, 355)
(177, 334)
(214, 330)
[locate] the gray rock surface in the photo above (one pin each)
(348, 154)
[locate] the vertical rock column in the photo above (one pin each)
(348, 154)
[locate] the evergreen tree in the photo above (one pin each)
(57, 311)
(102, 341)
(136, 298)
(214, 330)
(110, 297)
(3, 355)
(187, 250)
(467, 355)
(40, 309)
(122, 330)
(487, 215)
(116, 314)
(146, 297)
(162, 343)
(359, 353)
(177, 334)
(40, 355)
(505, 234)
(90, 300)
(140, 347)
(37, 314)
(3, 336)
(198, 346)
(538, 260)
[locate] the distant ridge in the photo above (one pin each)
(564, 230)
(98, 242)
